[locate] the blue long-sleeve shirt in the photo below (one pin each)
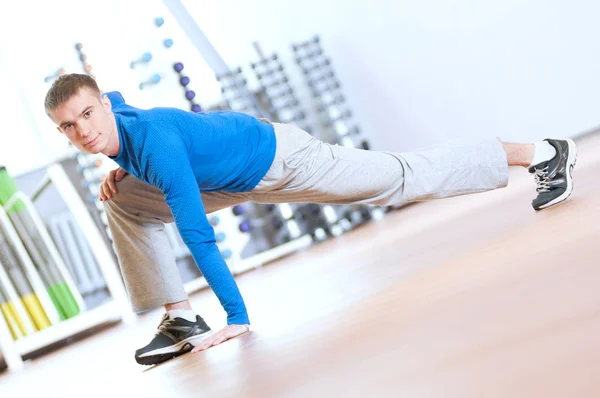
(183, 153)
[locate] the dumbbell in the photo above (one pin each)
(184, 80)
(318, 92)
(354, 130)
(314, 40)
(244, 226)
(55, 75)
(344, 115)
(283, 94)
(338, 99)
(279, 68)
(316, 66)
(152, 81)
(300, 115)
(178, 66)
(231, 73)
(273, 57)
(321, 78)
(190, 94)
(226, 253)
(309, 55)
(143, 59)
(226, 87)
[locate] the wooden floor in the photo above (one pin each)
(476, 296)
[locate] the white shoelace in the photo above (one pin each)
(542, 179)
(165, 322)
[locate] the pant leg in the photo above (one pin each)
(136, 218)
(308, 170)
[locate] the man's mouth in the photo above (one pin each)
(92, 142)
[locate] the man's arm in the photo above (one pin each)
(169, 170)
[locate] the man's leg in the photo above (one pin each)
(519, 154)
(137, 217)
(308, 170)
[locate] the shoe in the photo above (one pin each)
(174, 337)
(554, 177)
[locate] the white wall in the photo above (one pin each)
(418, 72)
(415, 73)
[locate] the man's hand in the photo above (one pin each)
(109, 187)
(228, 332)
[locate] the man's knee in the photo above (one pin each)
(135, 197)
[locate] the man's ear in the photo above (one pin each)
(59, 130)
(106, 103)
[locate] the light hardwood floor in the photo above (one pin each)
(474, 296)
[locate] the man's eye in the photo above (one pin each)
(87, 114)
(68, 126)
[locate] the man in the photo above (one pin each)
(184, 165)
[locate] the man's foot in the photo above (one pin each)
(173, 338)
(554, 177)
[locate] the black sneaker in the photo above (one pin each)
(173, 338)
(554, 177)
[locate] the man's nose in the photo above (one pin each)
(83, 129)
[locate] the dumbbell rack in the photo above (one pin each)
(184, 82)
(267, 224)
(284, 107)
(334, 116)
(87, 68)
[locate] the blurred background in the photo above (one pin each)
(377, 75)
(414, 73)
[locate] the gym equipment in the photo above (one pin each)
(335, 119)
(51, 78)
(83, 58)
(264, 223)
(14, 322)
(184, 81)
(143, 60)
(334, 114)
(76, 253)
(41, 249)
(168, 43)
(151, 81)
(284, 107)
(22, 286)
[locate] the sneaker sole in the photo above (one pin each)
(164, 354)
(571, 161)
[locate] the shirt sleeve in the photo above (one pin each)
(168, 168)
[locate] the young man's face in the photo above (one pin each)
(86, 120)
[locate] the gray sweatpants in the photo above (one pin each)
(304, 170)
